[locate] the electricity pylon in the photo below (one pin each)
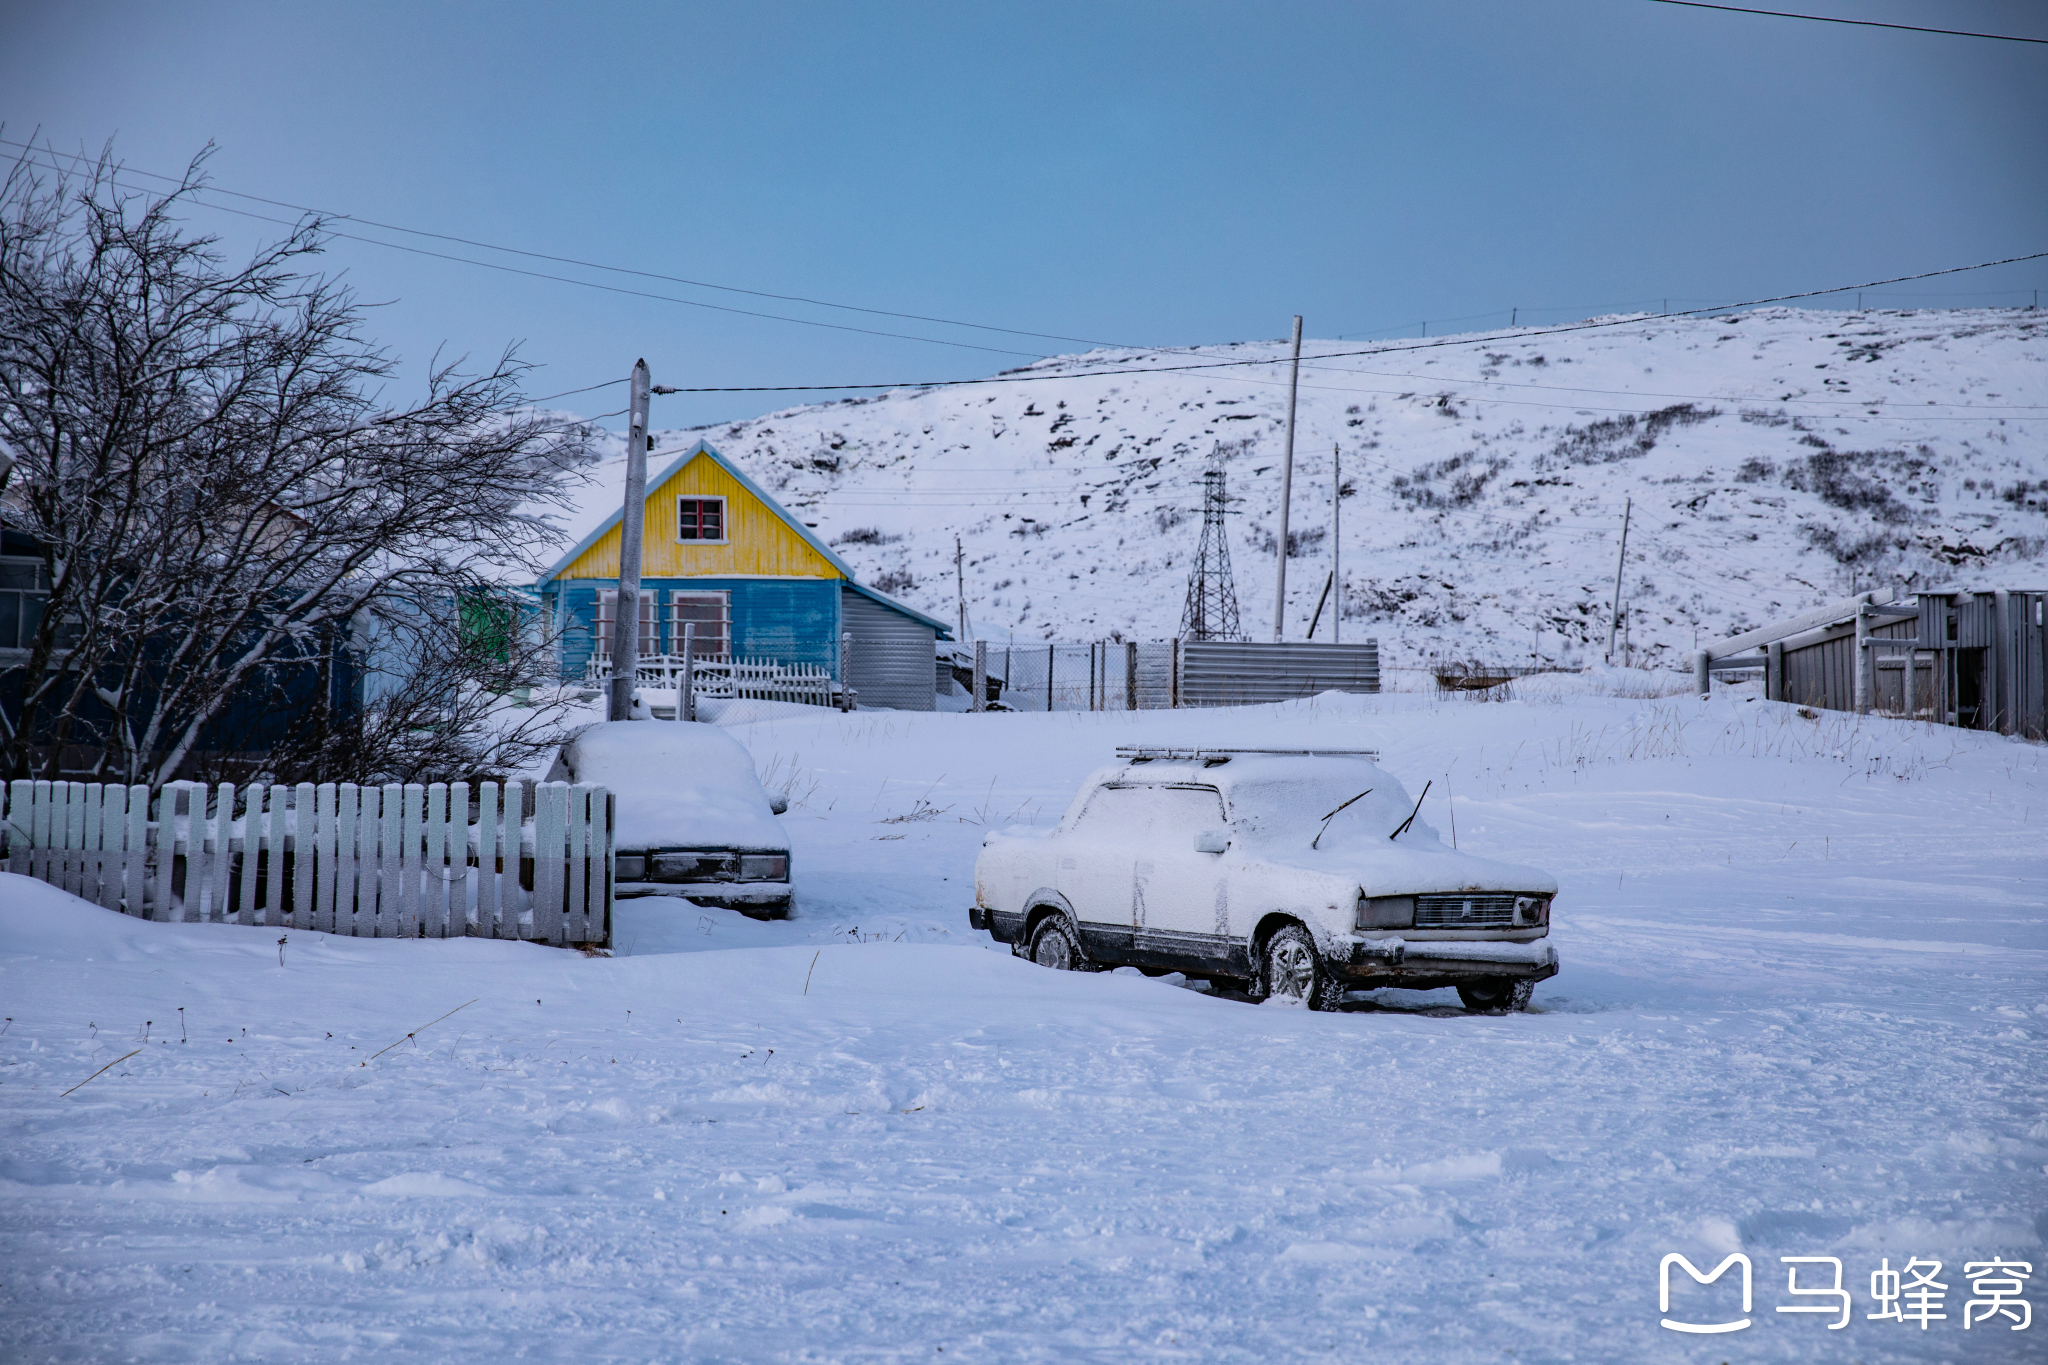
(1211, 609)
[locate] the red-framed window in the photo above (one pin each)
(700, 519)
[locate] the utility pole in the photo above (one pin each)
(1336, 544)
(960, 586)
(1614, 622)
(1286, 487)
(626, 615)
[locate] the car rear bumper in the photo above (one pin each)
(1438, 962)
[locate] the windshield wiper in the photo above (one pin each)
(1333, 815)
(1413, 813)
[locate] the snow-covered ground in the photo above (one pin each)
(1776, 460)
(1800, 1014)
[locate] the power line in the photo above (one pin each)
(1857, 23)
(593, 284)
(1012, 376)
(589, 265)
(588, 388)
(1018, 377)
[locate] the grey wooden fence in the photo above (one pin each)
(441, 860)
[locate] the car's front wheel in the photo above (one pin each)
(1294, 971)
(1497, 995)
(1053, 945)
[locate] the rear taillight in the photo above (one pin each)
(764, 867)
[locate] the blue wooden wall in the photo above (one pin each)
(789, 620)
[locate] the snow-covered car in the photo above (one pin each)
(1285, 873)
(693, 819)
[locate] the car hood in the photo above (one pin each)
(679, 785)
(1422, 868)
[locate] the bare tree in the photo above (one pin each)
(218, 492)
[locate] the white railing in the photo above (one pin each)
(724, 677)
(440, 860)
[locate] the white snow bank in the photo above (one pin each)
(832, 1144)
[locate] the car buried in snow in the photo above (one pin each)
(693, 819)
(1295, 874)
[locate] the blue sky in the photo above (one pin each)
(1162, 174)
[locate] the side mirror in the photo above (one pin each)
(777, 802)
(1212, 841)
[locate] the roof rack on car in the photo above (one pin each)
(1145, 753)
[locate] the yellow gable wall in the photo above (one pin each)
(757, 541)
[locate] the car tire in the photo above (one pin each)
(1293, 969)
(1053, 945)
(1496, 995)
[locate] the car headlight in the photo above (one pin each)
(632, 867)
(1532, 910)
(764, 867)
(1386, 912)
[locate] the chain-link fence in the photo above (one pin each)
(1099, 676)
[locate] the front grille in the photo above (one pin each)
(1464, 912)
(696, 867)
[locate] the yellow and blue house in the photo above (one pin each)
(721, 555)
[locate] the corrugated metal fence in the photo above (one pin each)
(1161, 674)
(1230, 673)
(442, 860)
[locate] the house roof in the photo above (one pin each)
(605, 497)
(599, 506)
(945, 631)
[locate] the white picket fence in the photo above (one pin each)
(442, 860)
(715, 677)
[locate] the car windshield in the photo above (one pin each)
(1288, 812)
(1138, 812)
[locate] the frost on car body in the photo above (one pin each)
(693, 819)
(1202, 861)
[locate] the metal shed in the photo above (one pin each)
(1978, 660)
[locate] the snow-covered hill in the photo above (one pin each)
(1776, 459)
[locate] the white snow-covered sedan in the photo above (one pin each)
(693, 818)
(1288, 873)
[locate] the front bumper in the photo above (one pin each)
(749, 898)
(1429, 963)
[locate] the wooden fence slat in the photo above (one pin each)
(550, 805)
(572, 901)
(89, 843)
(390, 889)
(459, 880)
(74, 844)
(171, 897)
(67, 825)
(223, 878)
(348, 803)
(273, 879)
(434, 859)
(60, 834)
(489, 889)
(522, 889)
(302, 863)
(108, 862)
(610, 807)
(135, 851)
(39, 831)
(21, 805)
(410, 836)
(323, 858)
(252, 824)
